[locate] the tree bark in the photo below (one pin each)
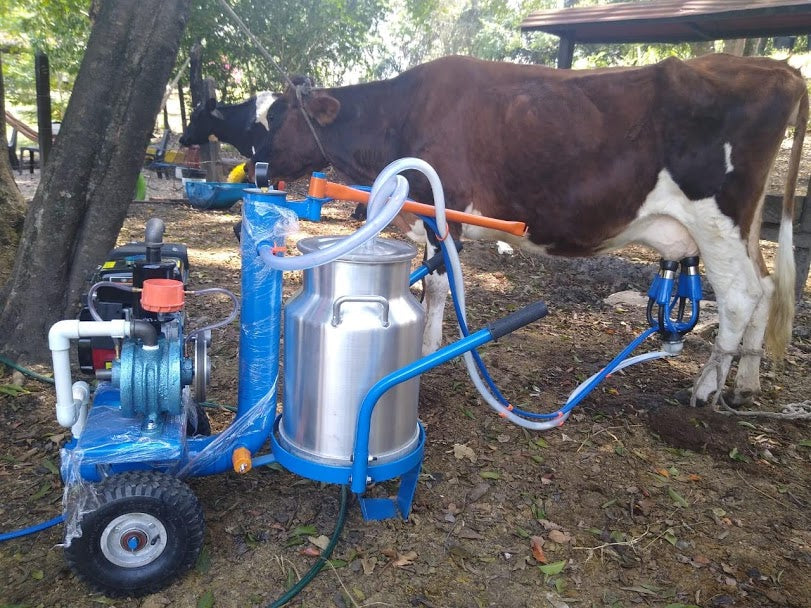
(735, 47)
(12, 206)
(86, 188)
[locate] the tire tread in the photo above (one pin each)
(168, 490)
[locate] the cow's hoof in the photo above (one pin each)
(684, 397)
(740, 398)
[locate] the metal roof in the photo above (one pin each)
(674, 20)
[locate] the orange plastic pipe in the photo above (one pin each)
(321, 188)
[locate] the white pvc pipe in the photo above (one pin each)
(72, 399)
(81, 395)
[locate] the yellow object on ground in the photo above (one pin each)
(237, 174)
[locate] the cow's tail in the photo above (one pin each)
(781, 312)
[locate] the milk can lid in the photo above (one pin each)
(374, 251)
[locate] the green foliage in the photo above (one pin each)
(333, 41)
(321, 38)
(420, 30)
(60, 29)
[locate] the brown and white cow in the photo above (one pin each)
(674, 156)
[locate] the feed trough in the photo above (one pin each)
(214, 195)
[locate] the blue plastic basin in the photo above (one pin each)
(214, 195)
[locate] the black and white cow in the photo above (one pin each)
(243, 125)
(675, 156)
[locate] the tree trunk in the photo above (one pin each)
(12, 206)
(735, 47)
(87, 186)
(196, 74)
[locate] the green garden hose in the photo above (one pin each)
(322, 559)
(26, 371)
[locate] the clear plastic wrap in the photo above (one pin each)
(272, 222)
(110, 439)
(255, 420)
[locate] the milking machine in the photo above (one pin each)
(353, 336)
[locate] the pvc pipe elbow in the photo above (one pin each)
(71, 399)
(81, 392)
(66, 415)
(60, 334)
(71, 412)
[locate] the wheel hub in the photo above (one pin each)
(133, 540)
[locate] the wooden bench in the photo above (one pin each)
(772, 210)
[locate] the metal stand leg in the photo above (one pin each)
(376, 509)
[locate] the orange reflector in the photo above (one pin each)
(241, 459)
(162, 295)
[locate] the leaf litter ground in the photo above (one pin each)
(635, 501)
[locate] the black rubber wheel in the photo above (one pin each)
(201, 425)
(146, 531)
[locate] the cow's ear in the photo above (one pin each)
(217, 114)
(323, 108)
(211, 104)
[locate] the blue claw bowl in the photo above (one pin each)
(214, 195)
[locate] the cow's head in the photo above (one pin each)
(202, 123)
(291, 148)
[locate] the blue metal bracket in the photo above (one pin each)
(407, 468)
(376, 509)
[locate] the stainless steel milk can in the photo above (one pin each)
(353, 322)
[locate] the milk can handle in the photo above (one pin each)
(336, 307)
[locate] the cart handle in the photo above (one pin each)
(525, 316)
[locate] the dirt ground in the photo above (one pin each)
(636, 500)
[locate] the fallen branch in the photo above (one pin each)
(792, 411)
(604, 546)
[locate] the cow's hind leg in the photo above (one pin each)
(741, 301)
(747, 381)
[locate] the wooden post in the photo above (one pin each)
(202, 90)
(210, 152)
(182, 105)
(565, 51)
(43, 84)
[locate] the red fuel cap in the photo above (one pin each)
(162, 295)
